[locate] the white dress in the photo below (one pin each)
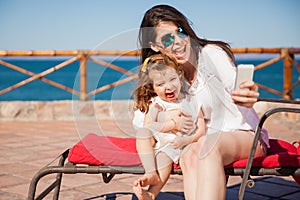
(188, 105)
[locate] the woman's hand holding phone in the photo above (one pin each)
(245, 91)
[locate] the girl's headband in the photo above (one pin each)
(144, 67)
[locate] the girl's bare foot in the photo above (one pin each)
(142, 194)
(146, 180)
(149, 179)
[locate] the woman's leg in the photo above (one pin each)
(189, 167)
(212, 153)
(189, 162)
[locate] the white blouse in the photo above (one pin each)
(212, 88)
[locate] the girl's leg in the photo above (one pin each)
(164, 166)
(157, 170)
(144, 144)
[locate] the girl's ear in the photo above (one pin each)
(154, 47)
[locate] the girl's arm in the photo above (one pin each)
(151, 120)
(175, 120)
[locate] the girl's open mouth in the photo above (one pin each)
(170, 95)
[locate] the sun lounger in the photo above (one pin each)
(110, 156)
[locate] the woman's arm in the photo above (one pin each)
(181, 141)
(220, 65)
(200, 127)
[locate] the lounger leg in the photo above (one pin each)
(227, 178)
(33, 185)
(43, 172)
(107, 177)
(59, 175)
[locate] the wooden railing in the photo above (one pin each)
(285, 54)
(288, 57)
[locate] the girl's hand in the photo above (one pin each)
(246, 98)
(183, 122)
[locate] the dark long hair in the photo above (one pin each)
(160, 13)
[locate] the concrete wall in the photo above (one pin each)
(68, 110)
(63, 110)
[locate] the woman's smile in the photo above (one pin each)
(180, 46)
(180, 52)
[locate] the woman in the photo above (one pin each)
(210, 70)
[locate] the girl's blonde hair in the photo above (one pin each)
(144, 90)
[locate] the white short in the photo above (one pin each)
(162, 145)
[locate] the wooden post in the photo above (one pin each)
(83, 77)
(288, 72)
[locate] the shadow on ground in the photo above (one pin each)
(266, 188)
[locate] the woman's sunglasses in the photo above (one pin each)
(169, 38)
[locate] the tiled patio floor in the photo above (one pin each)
(28, 146)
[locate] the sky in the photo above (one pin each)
(113, 24)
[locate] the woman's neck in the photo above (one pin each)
(190, 69)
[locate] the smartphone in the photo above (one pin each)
(244, 73)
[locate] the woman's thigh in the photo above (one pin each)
(231, 146)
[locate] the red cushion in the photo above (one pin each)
(104, 150)
(298, 144)
(297, 179)
(280, 153)
(281, 146)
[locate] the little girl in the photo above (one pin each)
(160, 90)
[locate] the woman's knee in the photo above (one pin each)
(207, 148)
(189, 156)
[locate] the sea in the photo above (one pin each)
(98, 76)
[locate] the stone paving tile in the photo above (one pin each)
(4, 160)
(78, 180)
(10, 196)
(18, 190)
(10, 180)
(27, 174)
(100, 188)
(16, 168)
